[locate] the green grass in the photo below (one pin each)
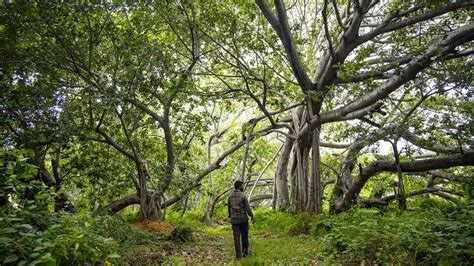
(271, 241)
(218, 249)
(424, 235)
(281, 250)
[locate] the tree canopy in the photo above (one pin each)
(309, 103)
(323, 109)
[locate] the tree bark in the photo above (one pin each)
(466, 159)
(246, 153)
(206, 218)
(402, 202)
(386, 200)
(302, 154)
(281, 176)
(260, 197)
(314, 197)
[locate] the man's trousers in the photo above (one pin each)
(241, 230)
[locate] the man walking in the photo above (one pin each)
(238, 207)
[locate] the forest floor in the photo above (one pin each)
(213, 245)
(216, 247)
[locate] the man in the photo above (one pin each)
(238, 208)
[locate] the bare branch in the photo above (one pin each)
(338, 16)
(326, 29)
(387, 27)
(419, 63)
(436, 147)
(466, 159)
(385, 201)
(282, 29)
(112, 142)
(334, 145)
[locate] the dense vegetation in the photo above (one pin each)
(124, 125)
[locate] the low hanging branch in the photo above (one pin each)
(386, 200)
(129, 200)
(466, 159)
(219, 197)
(264, 170)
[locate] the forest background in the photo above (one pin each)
(350, 122)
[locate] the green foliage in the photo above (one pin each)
(282, 250)
(182, 234)
(189, 219)
(424, 235)
(17, 183)
(71, 70)
(54, 238)
(31, 234)
(74, 239)
(267, 221)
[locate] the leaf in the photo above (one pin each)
(10, 258)
(114, 256)
(7, 230)
(5, 240)
(26, 226)
(39, 248)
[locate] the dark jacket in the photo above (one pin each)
(238, 208)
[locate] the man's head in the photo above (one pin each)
(239, 185)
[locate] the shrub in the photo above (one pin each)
(75, 240)
(32, 234)
(282, 222)
(190, 219)
(301, 225)
(424, 235)
(67, 239)
(182, 234)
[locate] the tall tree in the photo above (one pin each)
(375, 63)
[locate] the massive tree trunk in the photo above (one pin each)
(151, 210)
(149, 204)
(301, 154)
(349, 39)
(344, 179)
(314, 197)
(281, 176)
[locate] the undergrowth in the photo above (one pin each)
(430, 235)
(32, 234)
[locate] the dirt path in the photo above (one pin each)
(206, 249)
(264, 248)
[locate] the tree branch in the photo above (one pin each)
(436, 147)
(387, 27)
(283, 31)
(466, 159)
(147, 110)
(442, 47)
